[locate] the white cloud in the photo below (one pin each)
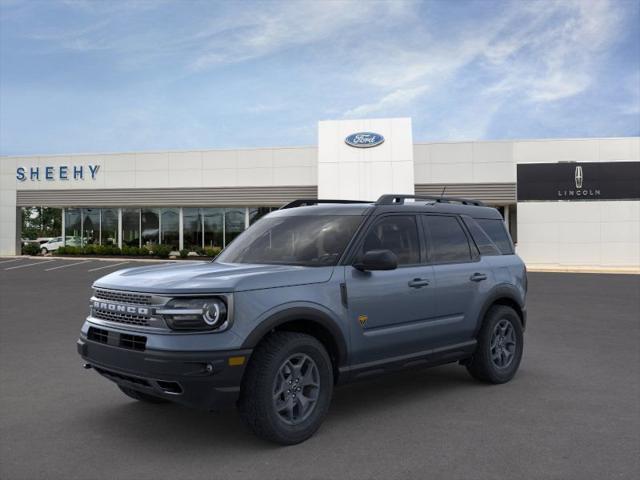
(537, 51)
(289, 25)
(396, 99)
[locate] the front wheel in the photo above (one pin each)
(500, 344)
(44, 251)
(287, 388)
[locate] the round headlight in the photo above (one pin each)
(195, 314)
(213, 313)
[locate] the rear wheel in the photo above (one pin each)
(44, 251)
(287, 388)
(500, 344)
(141, 396)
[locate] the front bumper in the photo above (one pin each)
(205, 380)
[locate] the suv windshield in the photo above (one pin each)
(314, 240)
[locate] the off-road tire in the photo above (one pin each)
(141, 396)
(256, 404)
(482, 366)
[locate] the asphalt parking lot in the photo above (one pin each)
(572, 412)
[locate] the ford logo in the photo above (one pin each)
(364, 139)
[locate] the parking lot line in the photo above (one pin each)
(65, 266)
(9, 261)
(106, 266)
(30, 264)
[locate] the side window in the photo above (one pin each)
(498, 233)
(398, 234)
(482, 240)
(447, 239)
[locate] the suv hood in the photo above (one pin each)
(211, 277)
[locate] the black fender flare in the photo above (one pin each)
(309, 314)
(502, 292)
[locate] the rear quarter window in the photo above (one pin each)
(497, 232)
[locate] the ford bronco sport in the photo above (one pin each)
(318, 293)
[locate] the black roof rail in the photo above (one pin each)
(301, 202)
(391, 199)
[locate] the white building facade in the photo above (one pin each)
(567, 202)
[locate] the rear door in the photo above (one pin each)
(462, 277)
(389, 311)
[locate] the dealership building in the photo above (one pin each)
(567, 202)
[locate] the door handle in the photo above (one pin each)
(478, 277)
(418, 282)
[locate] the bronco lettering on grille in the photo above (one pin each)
(114, 307)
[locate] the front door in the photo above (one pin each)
(389, 311)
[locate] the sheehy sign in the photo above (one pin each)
(575, 181)
(60, 172)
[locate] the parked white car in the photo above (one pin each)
(57, 242)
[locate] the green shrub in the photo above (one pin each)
(212, 251)
(89, 250)
(144, 251)
(162, 251)
(31, 249)
(184, 253)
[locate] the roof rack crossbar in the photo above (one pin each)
(301, 202)
(399, 200)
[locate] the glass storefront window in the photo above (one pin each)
(256, 213)
(90, 226)
(131, 227)
(234, 223)
(192, 228)
(150, 219)
(72, 227)
(170, 227)
(109, 226)
(213, 227)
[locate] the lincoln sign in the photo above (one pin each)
(575, 181)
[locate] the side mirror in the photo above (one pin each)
(377, 260)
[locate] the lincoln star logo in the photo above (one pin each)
(579, 177)
(114, 307)
(364, 139)
(580, 191)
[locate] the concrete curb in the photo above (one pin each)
(101, 259)
(602, 270)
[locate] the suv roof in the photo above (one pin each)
(391, 203)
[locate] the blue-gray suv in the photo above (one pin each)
(315, 294)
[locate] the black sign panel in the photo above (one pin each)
(579, 181)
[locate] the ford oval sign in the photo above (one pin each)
(364, 139)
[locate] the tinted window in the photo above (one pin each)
(398, 234)
(314, 240)
(448, 242)
(481, 239)
(498, 233)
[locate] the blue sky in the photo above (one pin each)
(89, 76)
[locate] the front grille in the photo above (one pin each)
(119, 376)
(133, 342)
(98, 335)
(123, 297)
(128, 318)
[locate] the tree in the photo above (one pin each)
(41, 222)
